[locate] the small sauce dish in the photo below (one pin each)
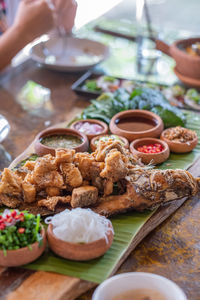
(78, 252)
(134, 124)
(95, 140)
(150, 157)
(179, 139)
(23, 256)
(90, 127)
(49, 140)
(116, 287)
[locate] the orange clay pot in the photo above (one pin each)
(79, 252)
(146, 158)
(178, 147)
(94, 121)
(23, 256)
(153, 132)
(186, 64)
(41, 149)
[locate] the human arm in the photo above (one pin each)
(33, 19)
(65, 12)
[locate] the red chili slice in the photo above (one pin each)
(21, 230)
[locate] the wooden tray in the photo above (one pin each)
(44, 285)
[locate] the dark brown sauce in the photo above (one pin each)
(135, 124)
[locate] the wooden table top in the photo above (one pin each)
(172, 250)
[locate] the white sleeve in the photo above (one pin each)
(11, 6)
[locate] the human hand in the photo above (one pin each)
(65, 12)
(33, 18)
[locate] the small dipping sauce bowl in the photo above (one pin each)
(90, 127)
(118, 285)
(54, 137)
(135, 124)
(94, 141)
(79, 252)
(177, 146)
(146, 158)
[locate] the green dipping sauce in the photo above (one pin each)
(61, 141)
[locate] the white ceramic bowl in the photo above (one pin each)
(138, 280)
(64, 54)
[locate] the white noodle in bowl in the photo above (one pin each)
(80, 226)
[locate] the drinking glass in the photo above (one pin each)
(148, 18)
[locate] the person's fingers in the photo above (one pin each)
(51, 4)
(61, 5)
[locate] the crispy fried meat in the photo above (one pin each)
(92, 179)
(84, 196)
(51, 202)
(10, 183)
(64, 156)
(72, 175)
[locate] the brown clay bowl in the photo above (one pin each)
(94, 121)
(41, 149)
(143, 117)
(79, 252)
(23, 256)
(146, 158)
(186, 64)
(178, 147)
(188, 81)
(93, 145)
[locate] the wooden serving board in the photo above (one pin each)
(30, 285)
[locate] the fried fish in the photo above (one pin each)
(109, 181)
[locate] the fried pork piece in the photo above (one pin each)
(10, 183)
(84, 196)
(10, 201)
(148, 188)
(21, 173)
(29, 178)
(108, 187)
(51, 202)
(29, 192)
(45, 173)
(104, 148)
(95, 170)
(64, 156)
(72, 175)
(29, 165)
(115, 167)
(52, 191)
(84, 162)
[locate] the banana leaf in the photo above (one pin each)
(125, 226)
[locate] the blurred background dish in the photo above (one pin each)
(69, 53)
(118, 285)
(187, 65)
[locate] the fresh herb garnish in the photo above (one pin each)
(108, 104)
(18, 229)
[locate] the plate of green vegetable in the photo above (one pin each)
(94, 84)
